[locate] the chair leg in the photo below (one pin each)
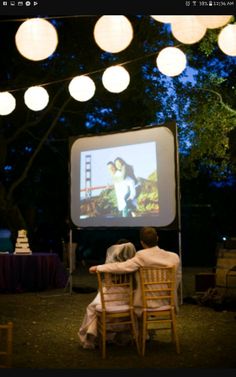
(7, 353)
(135, 331)
(144, 335)
(175, 337)
(103, 340)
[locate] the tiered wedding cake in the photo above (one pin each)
(22, 243)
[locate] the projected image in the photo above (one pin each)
(124, 179)
(119, 182)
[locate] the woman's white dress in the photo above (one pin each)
(88, 329)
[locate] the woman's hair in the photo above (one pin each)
(121, 160)
(120, 252)
(128, 170)
(124, 251)
(111, 163)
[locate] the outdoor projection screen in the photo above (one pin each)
(99, 191)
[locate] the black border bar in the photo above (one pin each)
(113, 7)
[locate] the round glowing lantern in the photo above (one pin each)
(36, 98)
(7, 103)
(188, 29)
(213, 22)
(227, 40)
(82, 88)
(36, 39)
(165, 19)
(113, 33)
(116, 79)
(171, 61)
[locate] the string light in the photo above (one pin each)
(36, 39)
(116, 79)
(171, 61)
(113, 33)
(7, 103)
(167, 64)
(227, 40)
(82, 88)
(36, 98)
(188, 29)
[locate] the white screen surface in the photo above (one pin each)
(141, 192)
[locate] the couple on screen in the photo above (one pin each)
(127, 187)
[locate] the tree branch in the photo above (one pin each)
(228, 108)
(42, 141)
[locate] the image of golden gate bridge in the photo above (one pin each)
(119, 182)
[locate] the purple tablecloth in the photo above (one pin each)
(28, 273)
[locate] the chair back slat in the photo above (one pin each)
(115, 289)
(116, 312)
(158, 285)
(158, 288)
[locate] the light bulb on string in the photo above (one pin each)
(7, 103)
(36, 39)
(36, 98)
(214, 22)
(116, 79)
(165, 19)
(188, 29)
(227, 40)
(113, 33)
(171, 61)
(81, 88)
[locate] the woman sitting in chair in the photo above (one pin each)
(119, 252)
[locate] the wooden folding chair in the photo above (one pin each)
(6, 335)
(158, 285)
(116, 311)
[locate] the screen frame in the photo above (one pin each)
(173, 218)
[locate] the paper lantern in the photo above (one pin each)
(213, 22)
(36, 98)
(227, 40)
(82, 88)
(7, 103)
(188, 29)
(171, 61)
(113, 33)
(165, 19)
(115, 79)
(36, 39)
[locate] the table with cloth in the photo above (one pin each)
(29, 273)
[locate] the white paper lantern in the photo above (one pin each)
(227, 40)
(113, 33)
(82, 88)
(36, 98)
(116, 79)
(213, 22)
(7, 103)
(171, 61)
(188, 29)
(36, 39)
(165, 19)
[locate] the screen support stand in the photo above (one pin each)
(181, 283)
(70, 278)
(71, 262)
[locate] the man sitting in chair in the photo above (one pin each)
(150, 256)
